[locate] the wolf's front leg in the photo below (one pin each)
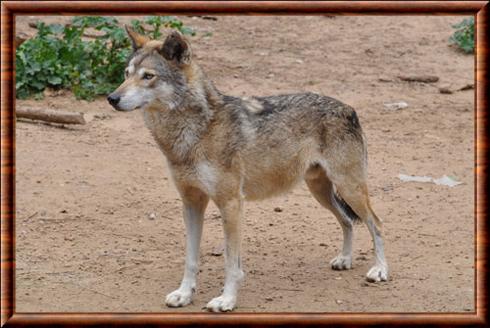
(231, 212)
(195, 203)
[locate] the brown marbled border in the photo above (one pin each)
(11, 8)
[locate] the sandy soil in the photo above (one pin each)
(84, 240)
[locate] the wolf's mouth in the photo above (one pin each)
(142, 105)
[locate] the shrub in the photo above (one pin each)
(464, 36)
(60, 57)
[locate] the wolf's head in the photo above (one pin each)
(155, 74)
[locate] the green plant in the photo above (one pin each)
(61, 57)
(464, 36)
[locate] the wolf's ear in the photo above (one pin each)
(137, 39)
(176, 48)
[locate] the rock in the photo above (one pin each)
(387, 188)
(218, 250)
(277, 209)
(396, 105)
(445, 90)
(152, 216)
(385, 79)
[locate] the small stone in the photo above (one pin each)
(396, 105)
(445, 90)
(387, 188)
(339, 301)
(278, 209)
(152, 216)
(385, 79)
(218, 250)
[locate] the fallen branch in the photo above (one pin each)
(52, 116)
(419, 78)
(467, 87)
(20, 38)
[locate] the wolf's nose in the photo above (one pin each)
(113, 99)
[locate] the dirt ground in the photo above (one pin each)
(85, 240)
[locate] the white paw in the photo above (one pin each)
(178, 298)
(341, 262)
(377, 273)
(221, 304)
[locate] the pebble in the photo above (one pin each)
(218, 250)
(396, 105)
(152, 216)
(445, 90)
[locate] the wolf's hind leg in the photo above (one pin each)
(324, 192)
(354, 192)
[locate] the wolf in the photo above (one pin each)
(229, 149)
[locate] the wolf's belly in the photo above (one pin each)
(260, 182)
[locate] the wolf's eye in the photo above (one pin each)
(148, 76)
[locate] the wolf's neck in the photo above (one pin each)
(178, 131)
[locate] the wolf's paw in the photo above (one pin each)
(341, 262)
(377, 273)
(178, 298)
(221, 304)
